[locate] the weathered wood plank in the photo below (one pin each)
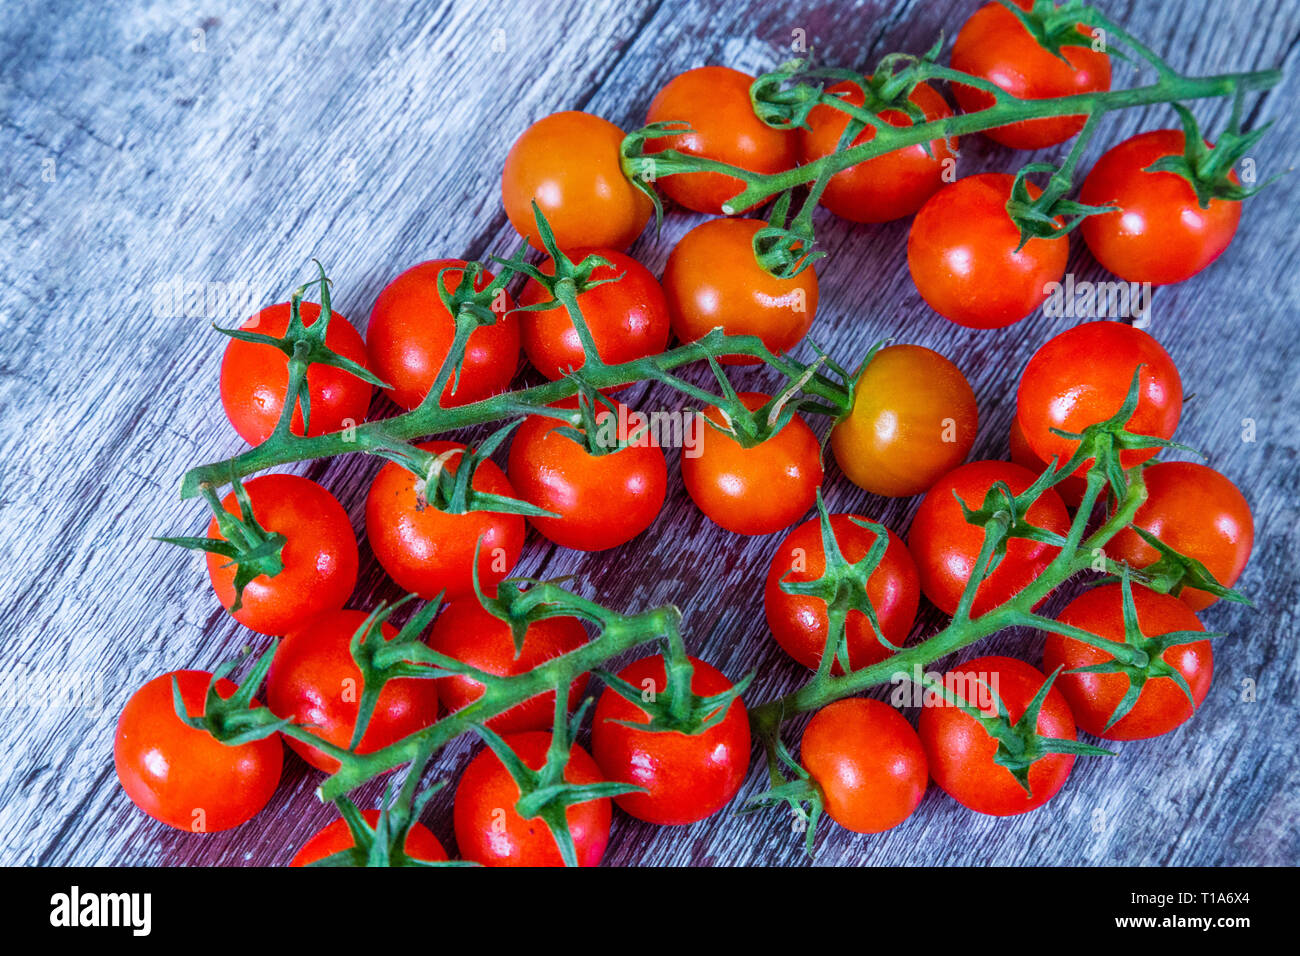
(371, 141)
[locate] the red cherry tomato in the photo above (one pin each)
(754, 490)
(570, 164)
(1070, 489)
(255, 378)
(890, 186)
(628, 318)
(714, 102)
(687, 777)
(431, 552)
(1162, 705)
(490, 831)
(314, 680)
(713, 281)
(1082, 377)
(945, 546)
(420, 844)
(960, 751)
(994, 46)
(602, 500)
(183, 776)
(319, 555)
(411, 332)
(1197, 512)
(962, 254)
(468, 633)
(1160, 233)
(799, 623)
(913, 420)
(868, 761)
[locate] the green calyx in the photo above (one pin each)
(305, 346)
(793, 793)
(1209, 169)
(1052, 26)
(842, 586)
(1173, 572)
(252, 550)
(1037, 218)
(233, 720)
(381, 659)
(1020, 745)
(1138, 657)
(1004, 515)
(676, 708)
(452, 491)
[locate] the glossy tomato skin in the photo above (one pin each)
(755, 490)
(490, 831)
(1197, 512)
(799, 622)
(428, 551)
(960, 752)
(888, 187)
(712, 281)
(994, 46)
(255, 378)
(913, 420)
(569, 163)
(420, 844)
(714, 102)
(628, 318)
(182, 776)
(945, 546)
(687, 776)
(961, 252)
(1082, 377)
(320, 555)
(1162, 705)
(314, 680)
(1070, 489)
(868, 761)
(1161, 234)
(411, 332)
(602, 501)
(467, 632)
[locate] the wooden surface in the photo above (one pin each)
(373, 140)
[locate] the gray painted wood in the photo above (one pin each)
(372, 139)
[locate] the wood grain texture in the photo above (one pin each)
(373, 138)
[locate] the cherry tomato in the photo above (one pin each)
(628, 318)
(913, 420)
(420, 844)
(994, 46)
(428, 551)
(411, 332)
(1070, 489)
(713, 281)
(890, 186)
(687, 777)
(945, 546)
(1160, 233)
(602, 500)
(799, 623)
(319, 555)
(754, 490)
(868, 761)
(962, 254)
(960, 751)
(314, 680)
(183, 776)
(1197, 512)
(490, 831)
(255, 378)
(468, 633)
(570, 164)
(1162, 705)
(714, 102)
(1082, 377)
